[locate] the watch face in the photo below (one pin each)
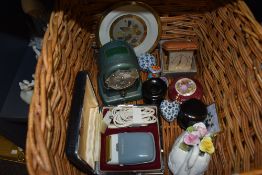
(185, 87)
(122, 79)
(180, 61)
(130, 28)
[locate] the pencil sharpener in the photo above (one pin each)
(119, 80)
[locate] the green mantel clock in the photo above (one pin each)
(119, 80)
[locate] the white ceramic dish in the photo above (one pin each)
(134, 22)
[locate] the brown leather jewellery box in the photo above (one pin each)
(88, 142)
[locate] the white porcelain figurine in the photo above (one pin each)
(190, 162)
(26, 92)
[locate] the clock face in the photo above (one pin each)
(122, 79)
(130, 28)
(180, 61)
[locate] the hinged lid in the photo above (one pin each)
(83, 137)
(89, 143)
(179, 45)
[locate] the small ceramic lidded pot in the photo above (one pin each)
(191, 111)
(185, 88)
(154, 91)
(146, 61)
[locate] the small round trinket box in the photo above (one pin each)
(154, 72)
(169, 110)
(154, 90)
(185, 88)
(191, 111)
(146, 60)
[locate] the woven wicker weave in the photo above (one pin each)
(229, 63)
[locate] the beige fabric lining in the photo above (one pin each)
(90, 139)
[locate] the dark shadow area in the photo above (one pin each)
(15, 31)
(12, 168)
(14, 131)
(255, 8)
(13, 20)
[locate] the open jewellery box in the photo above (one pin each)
(87, 144)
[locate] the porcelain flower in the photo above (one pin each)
(206, 145)
(201, 129)
(198, 134)
(191, 139)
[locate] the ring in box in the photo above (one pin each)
(177, 57)
(95, 149)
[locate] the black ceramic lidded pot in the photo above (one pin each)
(191, 111)
(154, 91)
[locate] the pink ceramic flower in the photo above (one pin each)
(201, 129)
(191, 139)
(196, 133)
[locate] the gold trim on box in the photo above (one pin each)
(135, 3)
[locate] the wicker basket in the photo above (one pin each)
(229, 63)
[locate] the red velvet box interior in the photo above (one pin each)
(152, 128)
